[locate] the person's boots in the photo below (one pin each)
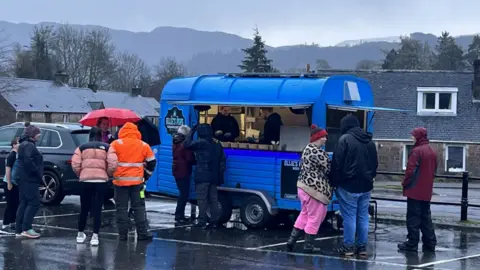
(145, 236)
(294, 236)
(308, 246)
(407, 246)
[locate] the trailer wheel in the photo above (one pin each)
(254, 213)
(225, 209)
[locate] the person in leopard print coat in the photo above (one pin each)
(314, 190)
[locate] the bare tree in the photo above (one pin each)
(164, 71)
(70, 50)
(99, 57)
(6, 49)
(130, 71)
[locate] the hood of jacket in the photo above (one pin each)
(421, 135)
(350, 125)
(348, 122)
(129, 130)
(178, 138)
(205, 131)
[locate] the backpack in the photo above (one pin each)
(14, 168)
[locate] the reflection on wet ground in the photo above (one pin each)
(233, 247)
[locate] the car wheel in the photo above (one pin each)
(224, 208)
(254, 213)
(51, 192)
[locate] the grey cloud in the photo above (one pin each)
(281, 22)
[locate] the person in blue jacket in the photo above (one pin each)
(11, 190)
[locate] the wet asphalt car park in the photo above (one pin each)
(232, 247)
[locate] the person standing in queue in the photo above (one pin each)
(354, 166)
(273, 124)
(314, 190)
(183, 160)
(128, 179)
(104, 124)
(28, 176)
(94, 162)
(418, 188)
(209, 169)
(225, 127)
(11, 189)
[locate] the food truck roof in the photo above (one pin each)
(249, 89)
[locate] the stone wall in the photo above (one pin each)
(53, 118)
(390, 157)
(7, 113)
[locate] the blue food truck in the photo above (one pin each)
(260, 179)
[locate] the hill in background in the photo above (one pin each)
(211, 52)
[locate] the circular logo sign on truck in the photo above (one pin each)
(173, 120)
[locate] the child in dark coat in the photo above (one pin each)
(183, 160)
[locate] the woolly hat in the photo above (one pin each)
(184, 130)
(31, 130)
(317, 133)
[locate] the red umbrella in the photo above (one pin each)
(116, 117)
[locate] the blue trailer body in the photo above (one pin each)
(253, 172)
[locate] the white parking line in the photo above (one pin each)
(268, 251)
(447, 261)
(104, 233)
(300, 241)
(274, 251)
(69, 215)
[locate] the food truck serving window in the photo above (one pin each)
(336, 113)
(252, 121)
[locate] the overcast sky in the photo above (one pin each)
(280, 22)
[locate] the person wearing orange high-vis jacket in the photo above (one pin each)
(134, 158)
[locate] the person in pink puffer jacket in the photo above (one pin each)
(94, 162)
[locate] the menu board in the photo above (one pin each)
(288, 179)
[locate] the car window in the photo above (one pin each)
(80, 137)
(44, 138)
(49, 138)
(7, 135)
(55, 139)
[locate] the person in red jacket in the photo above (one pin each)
(183, 161)
(418, 188)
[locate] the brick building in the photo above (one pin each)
(441, 101)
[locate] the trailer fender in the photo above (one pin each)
(267, 199)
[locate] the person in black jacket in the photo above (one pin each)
(271, 129)
(209, 171)
(28, 176)
(225, 127)
(354, 167)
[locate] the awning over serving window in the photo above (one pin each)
(364, 108)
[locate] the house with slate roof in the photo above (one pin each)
(144, 106)
(54, 101)
(444, 102)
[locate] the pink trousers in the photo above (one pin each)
(312, 215)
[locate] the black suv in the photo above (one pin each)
(57, 144)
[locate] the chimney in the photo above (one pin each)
(61, 77)
(136, 91)
(93, 87)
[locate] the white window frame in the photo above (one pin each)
(464, 156)
(65, 118)
(453, 91)
(405, 155)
